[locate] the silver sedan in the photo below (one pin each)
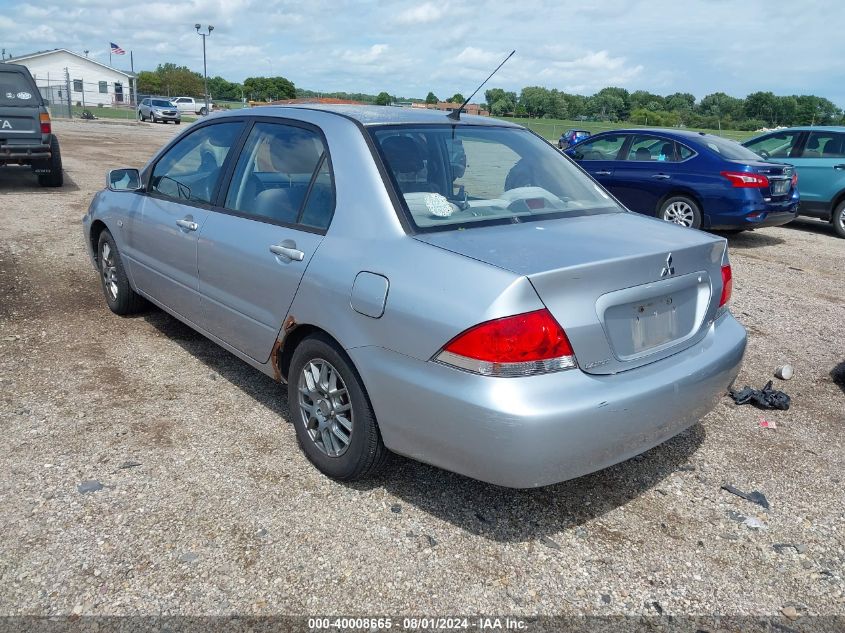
(458, 292)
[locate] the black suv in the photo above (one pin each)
(26, 134)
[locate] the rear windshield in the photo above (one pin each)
(159, 103)
(729, 149)
(455, 176)
(16, 90)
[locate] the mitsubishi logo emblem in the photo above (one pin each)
(668, 269)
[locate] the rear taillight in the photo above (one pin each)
(46, 127)
(794, 178)
(520, 345)
(727, 285)
(746, 180)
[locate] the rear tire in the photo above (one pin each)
(120, 297)
(56, 177)
(680, 210)
(838, 219)
(203, 111)
(334, 420)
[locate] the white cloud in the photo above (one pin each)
(421, 14)
(368, 56)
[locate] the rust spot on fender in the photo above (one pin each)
(275, 355)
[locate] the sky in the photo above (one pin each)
(407, 48)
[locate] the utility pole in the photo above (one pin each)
(204, 65)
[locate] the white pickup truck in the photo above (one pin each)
(189, 105)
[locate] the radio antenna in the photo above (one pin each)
(455, 115)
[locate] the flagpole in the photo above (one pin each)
(134, 80)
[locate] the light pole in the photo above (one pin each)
(204, 66)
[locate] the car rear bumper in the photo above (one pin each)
(539, 430)
(19, 152)
(755, 213)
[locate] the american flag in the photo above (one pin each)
(116, 50)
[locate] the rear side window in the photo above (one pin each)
(191, 169)
(778, 145)
(684, 152)
(651, 148)
(283, 176)
(604, 148)
(16, 90)
(824, 145)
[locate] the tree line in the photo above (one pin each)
(170, 80)
(757, 110)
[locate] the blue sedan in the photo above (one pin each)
(691, 178)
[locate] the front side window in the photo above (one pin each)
(602, 148)
(824, 145)
(191, 169)
(651, 148)
(778, 145)
(455, 176)
(283, 175)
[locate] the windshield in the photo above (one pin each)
(452, 176)
(729, 149)
(159, 103)
(15, 90)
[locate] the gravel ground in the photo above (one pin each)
(207, 506)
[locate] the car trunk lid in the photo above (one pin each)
(628, 290)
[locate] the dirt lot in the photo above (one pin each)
(222, 513)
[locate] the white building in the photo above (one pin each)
(91, 83)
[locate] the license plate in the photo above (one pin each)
(654, 323)
(779, 186)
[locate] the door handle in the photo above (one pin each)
(187, 224)
(603, 172)
(662, 176)
(290, 251)
(839, 167)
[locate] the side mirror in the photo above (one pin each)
(126, 179)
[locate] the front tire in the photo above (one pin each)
(120, 296)
(680, 210)
(838, 219)
(334, 420)
(56, 177)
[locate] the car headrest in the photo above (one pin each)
(642, 154)
(403, 154)
(293, 153)
(275, 203)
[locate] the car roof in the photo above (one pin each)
(369, 115)
(691, 135)
(806, 128)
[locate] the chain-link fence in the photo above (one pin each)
(67, 97)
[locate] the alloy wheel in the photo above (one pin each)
(325, 407)
(109, 271)
(679, 212)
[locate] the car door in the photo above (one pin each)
(254, 248)
(821, 171)
(162, 234)
(598, 156)
(646, 173)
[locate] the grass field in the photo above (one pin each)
(123, 113)
(553, 128)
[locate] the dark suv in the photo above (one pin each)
(26, 134)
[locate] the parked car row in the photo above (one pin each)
(700, 180)
(693, 179)
(458, 292)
